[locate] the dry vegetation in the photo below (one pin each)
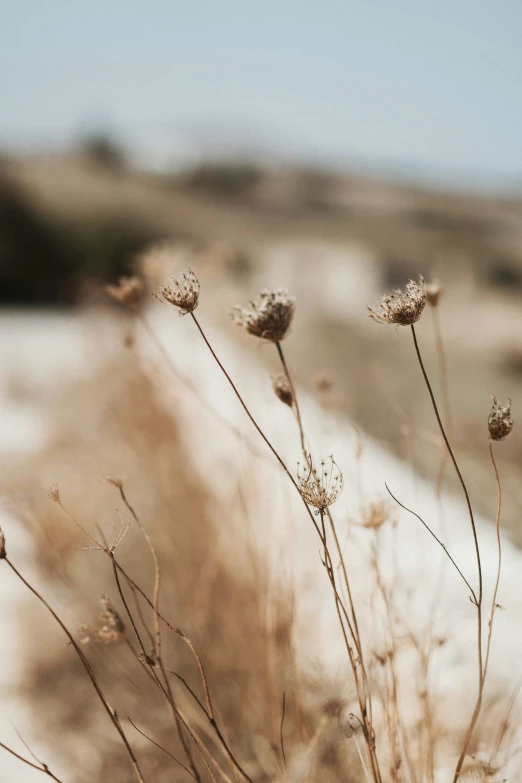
(197, 646)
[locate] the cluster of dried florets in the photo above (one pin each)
(269, 318)
(321, 486)
(401, 308)
(3, 553)
(282, 389)
(500, 422)
(53, 493)
(111, 629)
(183, 293)
(128, 291)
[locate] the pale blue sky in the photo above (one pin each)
(425, 87)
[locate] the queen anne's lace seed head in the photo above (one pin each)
(500, 422)
(283, 389)
(183, 293)
(401, 308)
(269, 318)
(53, 493)
(320, 486)
(128, 291)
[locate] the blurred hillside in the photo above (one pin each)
(67, 220)
(337, 242)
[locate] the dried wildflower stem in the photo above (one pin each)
(339, 604)
(112, 714)
(254, 422)
(457, 470)
(361, 687)
(499, 565)
(364, 692)
(165, 689)
(209, 711)
(145, 659)
(187, 770)
(192, 388)
(441, 355)
(294, 395)
(157, 570)
(281, 727)
(42, 768)
(211, 719)
(478, 602)
(430, 531)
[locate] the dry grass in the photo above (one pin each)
(207, 666)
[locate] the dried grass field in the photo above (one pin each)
(243, 551)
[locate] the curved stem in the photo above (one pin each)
(254, 422)
(414, 513)
(478, 704)
(88, 669)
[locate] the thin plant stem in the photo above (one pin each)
(478, 705)
(157, 570)
(294, 397)
(165, 689)
(437, 539)
(281, 735)
(112, 714)
(161, 748)
(43, 768)
(499, 565)
(441, 355)
(186, 382)
(254, 422)
(353, 624)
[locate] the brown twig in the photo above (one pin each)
(43, 768)
(161, 748)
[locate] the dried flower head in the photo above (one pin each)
(115, 481)
(375, 514)
(269, 318)
(500, 422)
(3, 553)
(401, 308)
(128, 291)
(282, 389)
(53, 493)
(434, 291)
(321, 486)
(111, 629)
(183, 293)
